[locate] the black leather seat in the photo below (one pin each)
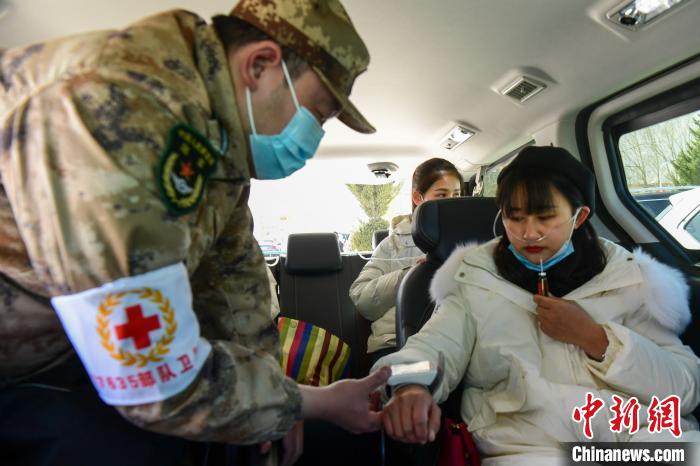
(470, 185)
(314, 287)
(438, 227)
(314, 283)
(378, 236)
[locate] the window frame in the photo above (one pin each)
(675, 102)
(501, 162)
(688, 219)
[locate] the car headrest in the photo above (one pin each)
(378, 236)
(313, 253)
(440, 225)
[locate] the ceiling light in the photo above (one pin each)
(456, 136)
(383, 170)
(638, 13)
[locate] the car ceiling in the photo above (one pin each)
(437, 62)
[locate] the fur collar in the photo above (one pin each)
(665, 293)
(443, 282)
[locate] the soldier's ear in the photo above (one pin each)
(257, 59)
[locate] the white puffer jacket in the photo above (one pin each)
(374, 290)
(522, 386)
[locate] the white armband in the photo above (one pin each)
(138, 337)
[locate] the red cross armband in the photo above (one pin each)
(138, 337)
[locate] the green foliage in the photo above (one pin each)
(687, 164)
(374, 201)
(375, 198)
(648, 153)
(361, 239)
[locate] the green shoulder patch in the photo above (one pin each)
(183, 169)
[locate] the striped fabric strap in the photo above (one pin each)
(310, 354)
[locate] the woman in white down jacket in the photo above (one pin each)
(609, 327)
(374, 290)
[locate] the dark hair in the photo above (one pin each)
(588, 258)
(235, 33)
(428, 172)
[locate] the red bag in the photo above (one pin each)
(458, 448)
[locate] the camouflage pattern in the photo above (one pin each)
(83, 122)
(321, 32)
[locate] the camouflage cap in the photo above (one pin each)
(321, 32)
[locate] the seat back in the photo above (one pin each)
(470, 185)
(378, 236)
(438, 227)
(314, 282)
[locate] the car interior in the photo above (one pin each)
(616, 83)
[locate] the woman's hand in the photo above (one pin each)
(566, 321)
(411, 416)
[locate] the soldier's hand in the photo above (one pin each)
(354, 404)
(347, 403)
(293, 444)
(265, 447)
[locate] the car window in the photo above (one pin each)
(491, 172)
(661, 165)
(693, 226)
(318, 199)
(490, 178)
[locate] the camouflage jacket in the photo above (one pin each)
(83, 122)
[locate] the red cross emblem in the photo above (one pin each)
(137, 327)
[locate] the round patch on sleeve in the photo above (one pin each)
(183, 169)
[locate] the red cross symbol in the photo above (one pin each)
(137, 327)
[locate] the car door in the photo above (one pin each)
(648, 136)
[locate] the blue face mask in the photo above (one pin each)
(565, 251)
(279, 155)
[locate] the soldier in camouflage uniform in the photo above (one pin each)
(126, 159)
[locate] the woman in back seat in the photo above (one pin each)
(609, 328)
(374, 290)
